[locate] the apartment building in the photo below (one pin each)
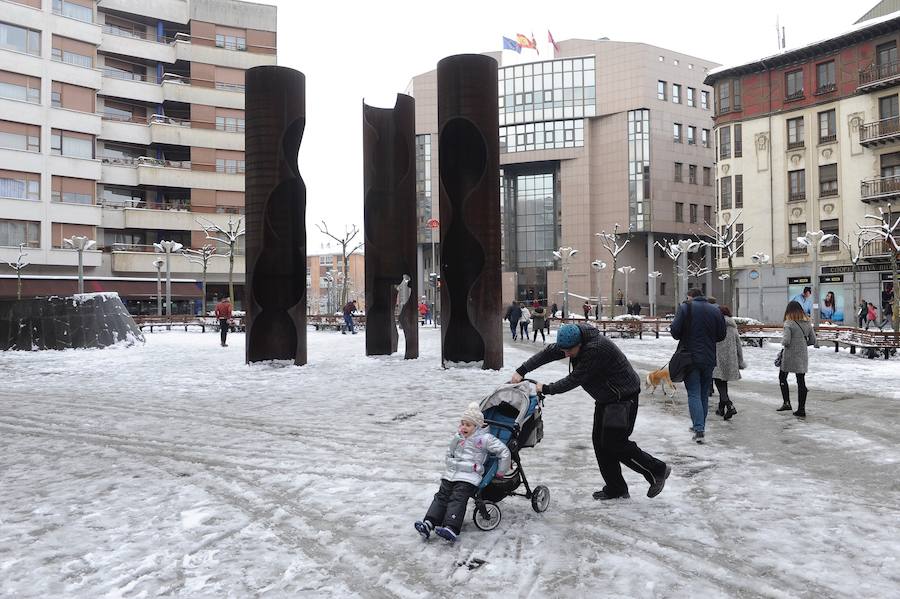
(325, 277)
(604, 133)
(809, 140)
(123, 121)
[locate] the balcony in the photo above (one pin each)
(880, 189)
(876, 249)
(178, 88)
(176, 11)
(880, 132)
(158, 217)
(879, 75)
(139, 259)
(131, 86)
(137, 42)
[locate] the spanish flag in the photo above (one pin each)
(525, 42)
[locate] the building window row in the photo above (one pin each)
(639, 169)
(731, 141)
(231, 42)
(230, 166)
(81, 11)
(20, 39)
(545, 91)
(692, 173)
(796, 129)
(693, 213)
(729, 95)
(690, 97)
(20, 186)
(797, 230)
(731, 192)
(542, 136)
(14, 233)
(228, 123)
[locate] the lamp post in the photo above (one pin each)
(760, 260)
(599, 265)
(653, 276)
(564, 254)
(158, 263)
(815, 239)
(168, 247)
(626, 270)
(80, 243)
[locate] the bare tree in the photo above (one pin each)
(697, 270)
(202, 258)
(227, 236)
(855, 243)
(345, 242)
(19, 264)
(731, 242)
(610, 241)
(671, 249)
(886, 230)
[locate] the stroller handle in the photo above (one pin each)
(540, 395)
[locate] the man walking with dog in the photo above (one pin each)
(602, 370)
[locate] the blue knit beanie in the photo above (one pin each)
(568, 336)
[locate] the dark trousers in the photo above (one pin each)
(223, 329)
(448, 508)
(801, 388)
(722, 386)
(541, 331)
(613, 447)
(513, 328)
(523, 331)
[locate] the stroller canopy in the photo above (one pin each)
(517, 396)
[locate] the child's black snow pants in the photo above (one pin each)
(449, 505)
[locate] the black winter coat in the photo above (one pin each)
(707, 329)
(600, 368)
(513, 314)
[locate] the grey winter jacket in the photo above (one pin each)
(537, 318)
(729, 354)
(466, 457)
(798, 334)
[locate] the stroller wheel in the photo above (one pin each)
(540, 499)
(493, 516)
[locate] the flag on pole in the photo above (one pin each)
(525, 42)
(552, 41)
(513, 45)
(534, 44)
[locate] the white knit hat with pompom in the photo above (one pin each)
(473, 414)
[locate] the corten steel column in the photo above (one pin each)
(389, 207)
(469, 210)
(275, 112)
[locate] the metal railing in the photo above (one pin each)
(879, 188)
(875, 73)
(796, 196)
(145, 161)
(124, 75)
(875, 248)
(793, 145)
(884, 128)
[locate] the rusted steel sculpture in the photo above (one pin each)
(275, 203)
(389, 180)
(470, 210)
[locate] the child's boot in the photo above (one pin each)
(445, 532)
(424, 527)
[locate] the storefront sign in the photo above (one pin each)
(827, 270)
(831, 278)
(798, 280)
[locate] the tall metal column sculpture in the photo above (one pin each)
(275, 201)
(389, 207)
(470, 210)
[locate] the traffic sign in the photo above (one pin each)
(434, 223)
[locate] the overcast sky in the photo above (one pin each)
(355, 50)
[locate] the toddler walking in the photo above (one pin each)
(464, 469)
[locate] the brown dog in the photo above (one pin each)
(659, 378)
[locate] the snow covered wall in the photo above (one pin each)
(84, 320)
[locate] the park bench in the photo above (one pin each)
(331, 322)
(872, 342)
(179, 320)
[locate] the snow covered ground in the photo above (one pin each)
(175, 470)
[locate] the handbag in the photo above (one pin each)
(681, 361)
(779, 357)
(617, 415)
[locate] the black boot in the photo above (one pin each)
(801, 403)
(720, 411)
(785, 397)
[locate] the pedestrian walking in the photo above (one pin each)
(424, 313)
(701, 326)
(537, 323)
(729, 362)
(524, 321)
(871, 315)
(586, 308)
(513, 314)
(862, 313)
(223, 313)
(349, 309)
(602, 370)
(797, 337)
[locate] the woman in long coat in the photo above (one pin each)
(798, 335)
(537, 323)
(729, 362)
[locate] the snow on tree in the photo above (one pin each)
(886, 230)
(202, 257)
(18, 266)
(856, 242)
(729, 240)
(610, 241)
(227, 236)
(670, 248)
(345, 242)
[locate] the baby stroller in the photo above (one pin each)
(513, 413)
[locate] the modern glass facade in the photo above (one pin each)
(542, 105)
(639, 169)
(423, 187)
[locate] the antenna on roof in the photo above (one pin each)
(778, 33)
(783, 44)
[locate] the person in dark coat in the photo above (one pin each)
(602, 370)
(513, 315)
(349, 309)
(707, 327)
(537, 323)
(223, 314)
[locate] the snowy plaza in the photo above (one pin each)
(173, 469)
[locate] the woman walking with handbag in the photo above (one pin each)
(797, 337)
(729, 362)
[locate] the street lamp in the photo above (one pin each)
(564, 254)
(653, 276)
(158, 263)
(626, 270)
(80, 243)
(815, 239)
(760, 260)
(599, 265)
(168, 247)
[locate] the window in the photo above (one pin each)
(679, 212)
(229, 123)
(704, 137)
(795, 133)
(660, 90)
(707, 214)
(69, 143)
(693, 213)
(692, 135)
(227, 165)
(678, 166)
(888, 108)
(738, 142)
(725, 142)
(72, 191)
(739, 191)
(890, 167)
(16, 232)
(795, 231)
(724, 97)
(73, 10)
(828, 180)
(827, 127)
(324, 260)
(676, 132)
(886, 54)
(676, 93)
(707, 176)
(662, 288)
(793, 85)
(19, 136)
(825, 81)
(74, 58)
(20, 87)
(831, 227)
(231, 42)
(796, 185)
(704, 100)
(72, 97)
(692, 97)
(19, 39)
(20, 186)
(692, 174)
(725, 193)
(739, 239)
